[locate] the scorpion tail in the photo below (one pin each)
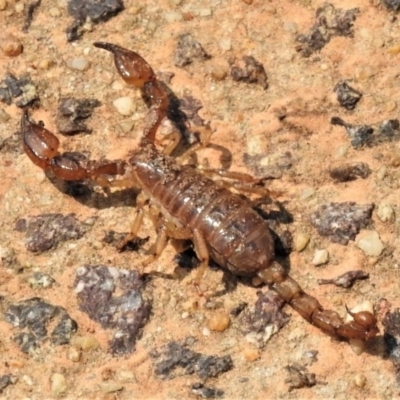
(363, 326)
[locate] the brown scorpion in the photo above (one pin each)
(220, 223)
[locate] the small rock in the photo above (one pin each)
(385, 212)
(350, 172)
(346, 95)
(370, 243)
(359, 135)
(58, 385)
(111, 387)
(188, 49)
(341, 221)
(173, 16)
(10, 45)
(251, 354)
(219, 322)
(360, 380)
(81, 64)
(85, 343)
(301, 241)
(389, 128)
(217, 70)
(74, 354)
(3, 5)
(393, 5)
(40, 280)
(54, 12)
(124, 105)
(320, 257)
(249, 70)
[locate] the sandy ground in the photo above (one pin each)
(244, 120)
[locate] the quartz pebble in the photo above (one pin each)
(74, 354)
(81, 64)
(320, 257)
(58, 385)
(360, 380)
(385, 212)
(301, 241)
(370, 243)
(124, 105)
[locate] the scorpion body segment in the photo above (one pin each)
(237, 238)
(221, 224)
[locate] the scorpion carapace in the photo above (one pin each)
(221, 224)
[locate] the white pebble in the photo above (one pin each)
(225, 44)
(124, 105)
(81, 64)
(370, 243)
(320, 257)
(205, 12)
(173, 16)
(385, 212)
(58, 385)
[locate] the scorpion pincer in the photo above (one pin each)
(220, 223)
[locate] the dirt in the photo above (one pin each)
(279, 129)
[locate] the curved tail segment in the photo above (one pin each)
(364, 323)
(135, 71)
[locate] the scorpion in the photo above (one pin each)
(221, 224)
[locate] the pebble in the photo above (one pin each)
(173, 16)
(385, 212)
(320, 257)
(219, 322)
(124, 105)
(225, 44)
(85, 343)
(111, 387)
(10, 45)
(301, 241)
(307, 193)
(205, 12)
(58, 385)
(217, 70)
(19, 7)
(74, 354)
(3, 5)
(381, 173)
(364, 73)
(251, 354)
(80, 63)
(370, 243)
(54, 12)
(45, 64)
(360, 380)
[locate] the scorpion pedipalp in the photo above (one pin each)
(41, 146)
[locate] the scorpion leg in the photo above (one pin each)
(41, 146)
(135, 71)
(362, 327)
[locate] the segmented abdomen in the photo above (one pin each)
(237, 237)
